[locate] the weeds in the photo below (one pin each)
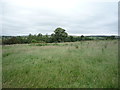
(76, 46)
(63, 66)
(42, 44)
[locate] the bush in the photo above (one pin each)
(76, 46)
(42, 44)
(34, 41)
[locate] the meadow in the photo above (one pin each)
(83, 64)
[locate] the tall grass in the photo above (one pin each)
(88, 64)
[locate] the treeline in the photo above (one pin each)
(59, 35)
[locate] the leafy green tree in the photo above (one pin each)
(39, 35)
(59, 35)
(19, 39)
(45, 38)
(112, 37)
(82, 37)
(30, 37)
(70, 39)
(12, 40)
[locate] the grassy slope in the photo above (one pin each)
(89, 64)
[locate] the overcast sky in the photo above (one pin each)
(22, 17)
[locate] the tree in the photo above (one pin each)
(19, 39)
(39, 35)
(59, 35)
(46, 38)
(30, 37)
(82, 37)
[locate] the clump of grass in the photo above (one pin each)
(105, 46)
(115, 42)
(42, 44)
(102, 49)
(76, 46)
(55, 44)
(71, 44)
(81, 42)
(6, 54)
(66, 44)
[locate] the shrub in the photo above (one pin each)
(34, 41)
(42, 44)
(76, 46)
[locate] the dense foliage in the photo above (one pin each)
(59, 35)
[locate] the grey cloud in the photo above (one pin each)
(24, 20)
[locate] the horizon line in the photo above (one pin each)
(69, 34)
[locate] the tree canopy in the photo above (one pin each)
(59, 35)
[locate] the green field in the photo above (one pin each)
(85, 64)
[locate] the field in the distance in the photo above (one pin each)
(86, 64)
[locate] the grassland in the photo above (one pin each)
(86, 64)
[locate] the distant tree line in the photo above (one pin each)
(59, 35)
